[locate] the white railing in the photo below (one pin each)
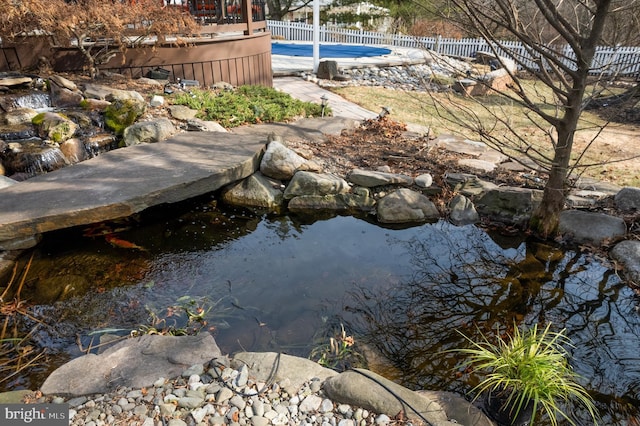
(623, 61)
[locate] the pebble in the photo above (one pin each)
(238, 401)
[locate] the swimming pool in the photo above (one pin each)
(328, 50)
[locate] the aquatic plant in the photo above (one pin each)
(17, 352)
(185, 317)
(340, 354)
(528, 370)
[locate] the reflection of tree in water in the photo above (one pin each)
(463, 280)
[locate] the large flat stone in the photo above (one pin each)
(135, 363)
(128, 180)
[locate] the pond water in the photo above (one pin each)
(286, 283)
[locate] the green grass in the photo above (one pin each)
(532, 368)
(247, 104)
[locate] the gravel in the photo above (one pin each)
(215, 395)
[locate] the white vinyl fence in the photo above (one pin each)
(622, 61)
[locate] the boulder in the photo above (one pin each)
(309, 183)
(628, 199)
(463, 211)
(497, 61)
(370, 179)
(100, 142)
(290, 371)
(461, 146)
(15, 81)
(136, 363)
(197, 125)
(495, 81)
(148, 131)
(63, 82)
(591, 228)
(54, 126)
(468, 184)
(255, 191)
(406, 206)
(94, 104)
(105, 93)
(627, 253)
(368, 390)
(476, 164)
(424, 180)
(61, 97)
(156, 101)
(74, 150)
(328, 70)
(19, 116)
(182, 112)
(335, 203)
(509, 205)
(280, 162)
(122, 113)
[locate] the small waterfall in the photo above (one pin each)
(18, 133)
(29, 158)
(35, 100)
(99, 143)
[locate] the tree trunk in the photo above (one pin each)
(546, 218)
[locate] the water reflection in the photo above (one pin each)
(281, 283)
(463, 280)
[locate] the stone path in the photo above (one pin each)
(122, 182)
(311, 92)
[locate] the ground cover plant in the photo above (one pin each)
(247, 104)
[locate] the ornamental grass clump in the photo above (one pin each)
(529, 370)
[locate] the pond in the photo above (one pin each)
(267, 282)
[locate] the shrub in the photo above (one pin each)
(247, 104)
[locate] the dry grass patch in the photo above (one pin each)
(610, 157)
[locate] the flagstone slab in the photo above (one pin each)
(128, 180)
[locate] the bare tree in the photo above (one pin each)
(557, 44)
(278, 9)
(99, 29)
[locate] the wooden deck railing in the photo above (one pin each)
(225, 16)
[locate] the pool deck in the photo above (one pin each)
(288, 69)
(283, 65)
